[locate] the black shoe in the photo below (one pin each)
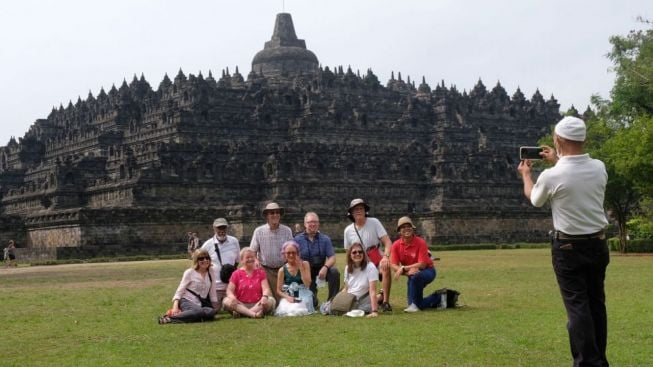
(385, 307)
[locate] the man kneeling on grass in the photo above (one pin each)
(409, 257)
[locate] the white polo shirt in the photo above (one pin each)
(575, 187)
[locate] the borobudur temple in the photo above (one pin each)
(132, 169)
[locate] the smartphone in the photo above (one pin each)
(530, 153)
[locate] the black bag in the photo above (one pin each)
(452, 296)
(225, 272)
(225, 269)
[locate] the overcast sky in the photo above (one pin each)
(54, 51)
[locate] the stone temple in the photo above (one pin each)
(133, 169)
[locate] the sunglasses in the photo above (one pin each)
(357, 252)
(203, 258)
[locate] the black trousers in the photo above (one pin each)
(579, 266)
(332, 279)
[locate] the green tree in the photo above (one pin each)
(632, 56)
(621, 132)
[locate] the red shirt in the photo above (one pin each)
(248, 288)
(408, 254)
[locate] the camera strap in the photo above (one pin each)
(217, 251)
(359, 236)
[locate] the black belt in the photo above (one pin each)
(563, 236)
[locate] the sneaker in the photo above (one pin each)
(385, 307)
(412, 308)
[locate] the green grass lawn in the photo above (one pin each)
(105, 315)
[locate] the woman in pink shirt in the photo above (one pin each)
(248, 292)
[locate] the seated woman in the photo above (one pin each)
(361, 278)
(409, 256)
(293, 283)
(248, 292)
(195, 298)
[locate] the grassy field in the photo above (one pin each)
(105, 315)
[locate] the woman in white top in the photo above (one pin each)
(361, 277)
(195, 298)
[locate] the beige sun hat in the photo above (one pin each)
(358, 202)
(273, 206)
(404, 220)
(355, 202)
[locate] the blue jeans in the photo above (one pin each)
(416, 284)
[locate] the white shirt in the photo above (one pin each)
(358, 282)
(194, 281)
(370, 233)
(229, 251)
(575, 187)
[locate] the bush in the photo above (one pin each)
(637, 245)
(640, 228)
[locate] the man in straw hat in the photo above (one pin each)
(223, 249)
(371, 234)
(267, 241)
(575, 188)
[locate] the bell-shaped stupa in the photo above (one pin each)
(284, 54)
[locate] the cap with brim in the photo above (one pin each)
(272, 206)
(404, 220)
(571, 128)
(358, 202)
(220, 222)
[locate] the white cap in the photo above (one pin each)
(571, 128)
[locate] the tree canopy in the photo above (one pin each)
(620, 133)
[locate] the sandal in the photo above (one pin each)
(164, 320)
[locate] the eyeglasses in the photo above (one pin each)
(203, 258)
(357, 252)
(291, 253)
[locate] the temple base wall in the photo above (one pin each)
(132, 232)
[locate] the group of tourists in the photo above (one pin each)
(280, 274)
(275, 268)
